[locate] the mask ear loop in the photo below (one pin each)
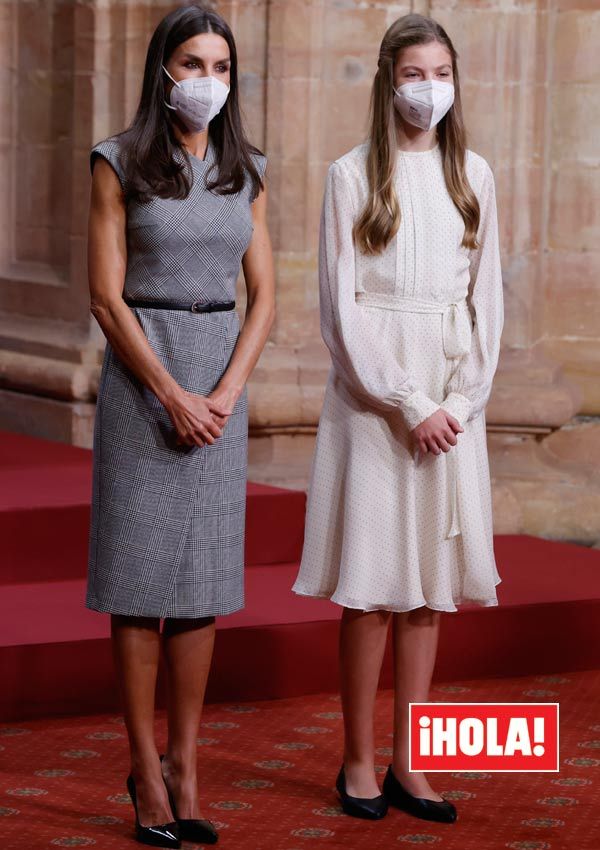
(168, 105)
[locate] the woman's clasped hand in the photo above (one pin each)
(199, 419)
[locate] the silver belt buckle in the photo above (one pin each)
(193, 307)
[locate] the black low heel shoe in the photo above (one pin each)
(160, 835)
(198, 830)
(437, 810)
(372, 808)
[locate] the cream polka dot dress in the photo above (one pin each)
(409, 330)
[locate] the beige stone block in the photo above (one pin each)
(273, 403)
(506, 511)
(311, 404)
(572, 295)
(80, 198)
(575, 212)
(519, 199)
(67, 422)
(7, 169)
(565, 511)
(313, 364)
(576, 40)
(577, 442)
(90, 49)
(437, 6)
(530, 389)
(520, 275)
(580, 363)
(252, 99)
(317, 176)
(343, 127)
(277, 364)
(481, 105)
(290, 104)
(475, 37)
(576, 5)
(248, 21)
(288, 206)
(54, 378)
(82, 99)
(33, 244)
(558, 497)
(520, 124)
(62, 29)
(575, 110)
(282, 460)
(37, 89)
(354, 29)
(293, 38)
(34, 165)
(34, 24)
(79, 298)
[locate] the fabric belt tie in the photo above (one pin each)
(457, 328)
(456, 318)
(194, 306)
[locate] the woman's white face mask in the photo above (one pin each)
(197, 100)
(425, 103)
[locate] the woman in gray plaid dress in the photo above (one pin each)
(177, 206)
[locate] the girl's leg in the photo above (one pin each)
(415, 638)
(361, 648)
(188, 648)
(135, 648)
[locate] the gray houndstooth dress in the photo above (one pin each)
(167, 521)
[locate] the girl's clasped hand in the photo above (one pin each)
(437, 433)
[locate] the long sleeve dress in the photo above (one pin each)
(412, 329)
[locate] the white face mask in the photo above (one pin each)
(197, 100)
(425, 103)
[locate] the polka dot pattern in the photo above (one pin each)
(386, 527)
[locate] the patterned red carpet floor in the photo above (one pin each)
(268, 770)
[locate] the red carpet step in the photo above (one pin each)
(55, 653)
(45, 493)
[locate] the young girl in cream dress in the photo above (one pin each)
(399, 517)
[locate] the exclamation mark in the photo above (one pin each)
(538, 736)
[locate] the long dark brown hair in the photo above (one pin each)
(148, 144)
(380, 219)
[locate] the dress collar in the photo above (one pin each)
(209, 157)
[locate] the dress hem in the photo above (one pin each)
(485, 603)
(93, 606)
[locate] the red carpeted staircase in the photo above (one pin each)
(55, 653)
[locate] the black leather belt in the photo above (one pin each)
(195, 306)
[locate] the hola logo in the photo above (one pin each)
(490, 736)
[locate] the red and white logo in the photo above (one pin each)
(490, 736)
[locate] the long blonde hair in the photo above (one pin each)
(380, 219)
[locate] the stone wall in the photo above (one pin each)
(530, 92)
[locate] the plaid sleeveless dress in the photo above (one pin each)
(167, 522)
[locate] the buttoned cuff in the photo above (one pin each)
(416, 408)
(457, 405)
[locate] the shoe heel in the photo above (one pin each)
(198, 830)
(434, 810)
(159, 835)
(370, 808)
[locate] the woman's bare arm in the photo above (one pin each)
(107, 262)
(259, 275)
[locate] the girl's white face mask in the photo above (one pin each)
(425, 103)
(197, 100)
